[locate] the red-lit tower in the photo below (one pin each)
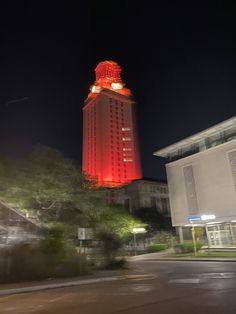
(110, 144)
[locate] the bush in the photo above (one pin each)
(114, 264)
(187, 247)
(163, 237)
(23, 262)
(157, 247)
(26, 262)
(111, 246)
(51, 257)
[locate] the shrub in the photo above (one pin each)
(163, 237)
(53, 244)
(23, 262)
(49, 258)
(111, 245)
(157, 247)
(187, 247)
(115, 264)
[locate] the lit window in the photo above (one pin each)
(126, 129)
(126, 149)
(127, 159)
(126, 139)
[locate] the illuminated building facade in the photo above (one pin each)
(110, 144)
(143, 193)
(201, 175)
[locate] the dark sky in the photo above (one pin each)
(178, 59)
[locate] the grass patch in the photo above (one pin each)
(206, 254)
(217, 254)
(157, 247)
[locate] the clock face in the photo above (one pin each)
(117, 85)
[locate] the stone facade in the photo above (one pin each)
(143, 193)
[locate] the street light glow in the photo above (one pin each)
(138, 230)
(208, 217)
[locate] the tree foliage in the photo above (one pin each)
(54, 189)
(46, 183)
(117, 221)
(154, 219)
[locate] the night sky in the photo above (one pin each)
(178, 59)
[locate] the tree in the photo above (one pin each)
(46, 183)
(154, 219)
(54, 188)
(113, 226)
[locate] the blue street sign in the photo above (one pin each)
(194, 218)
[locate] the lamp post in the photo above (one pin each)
(135, 231)
(201, 219)
(194, 240)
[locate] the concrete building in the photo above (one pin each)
(201, 175)
(143, 193)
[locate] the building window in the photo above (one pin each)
(126, 129)
(126, 139)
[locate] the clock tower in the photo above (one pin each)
(110, 143)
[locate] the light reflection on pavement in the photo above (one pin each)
(159, 287)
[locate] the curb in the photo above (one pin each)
(11, 291)
(182, 260)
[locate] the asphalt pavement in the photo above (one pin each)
(150, 285)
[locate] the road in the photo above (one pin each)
(152, 287)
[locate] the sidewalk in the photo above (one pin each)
(166, 256)
(99, 276)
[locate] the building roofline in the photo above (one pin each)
(220, 127)
(150, 180)
(19, 214)
(111, 93)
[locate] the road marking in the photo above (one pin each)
(202, 277)
(58, 298)
(142, 288)
(141, 277)
(185, 281)
(9, 309)
(217, 275)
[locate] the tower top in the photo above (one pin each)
(108, 77)
(109, 70)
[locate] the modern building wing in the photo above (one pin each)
(211, 137)
(201, 175)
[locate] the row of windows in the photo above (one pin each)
(115, 101)
(116, 109)
(154, 188)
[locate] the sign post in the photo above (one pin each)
(191, 219)
(194, 241)
(84, 234)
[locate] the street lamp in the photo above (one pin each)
(135, 231)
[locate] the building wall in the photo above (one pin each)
(143, 194)
(110, 144)
(204, 183)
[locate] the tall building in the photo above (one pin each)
(110, 144)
